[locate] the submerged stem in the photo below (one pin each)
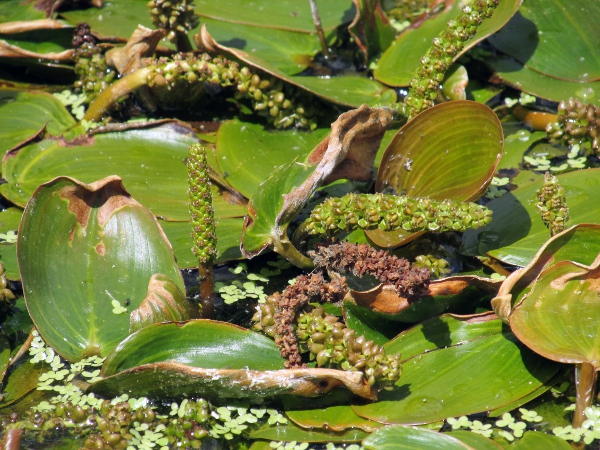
(585, 384)
(317, 20)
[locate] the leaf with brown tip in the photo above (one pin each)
(164, 303)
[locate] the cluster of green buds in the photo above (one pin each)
(333, 345)
(6, 295)
(118, 425)
(552, 204)
(436, 265)
(278, 103)
(445, 47)
(90, 65)
(201, 210)
(576, 123)
(264, 317)
(175, 16)
(389, 212)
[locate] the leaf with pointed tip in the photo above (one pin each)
(104, 246)
(559, 316)
(165, 302)
(212, 359)
(449, 151)
(533, 39)
(348, 152)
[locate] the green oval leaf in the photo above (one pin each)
(462, 140)
(559, 317)
(476, 441)
(197, 343)
(85, 252)
(24, 114)
(533, 38)
(398, 437)
(460, 380)
(517, 231)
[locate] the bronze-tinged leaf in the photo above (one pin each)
(559, 316)
(171, 379)
(348, 152)
(12, 51)
(450, 151)
(384, 298)
(141, 44)
(164, 303)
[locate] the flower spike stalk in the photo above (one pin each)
(203, 225)
(438, 59)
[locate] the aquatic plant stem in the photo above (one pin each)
(317, 20)
(585, 385)
(115, 91)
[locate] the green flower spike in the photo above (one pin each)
(177, 18)
(438, 59)
(203, 224)
(552, 204)
(390, 212)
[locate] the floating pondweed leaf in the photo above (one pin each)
(101, 243)
(532, 38)
(462, 140)
(172, 359)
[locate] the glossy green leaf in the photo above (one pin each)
(371, 29)
(22, 378)
(559, 316)
(289, 433)
(396, 437)
(334, 418)
(86, 255)
(198, 343)
(24, 114)
(462, 140)
(533, 39)
(369, 324)
(474, 440)
(43, 43)
(214, 360)
(164, 302)
(289, 51)
(399, 62)
(443, 331)
(150, 162)
(535, 440)
(244, 170)
(460, 380)
(285, 14)
(16, 10)
(521, 77)
(517, 231)
(9, 223)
